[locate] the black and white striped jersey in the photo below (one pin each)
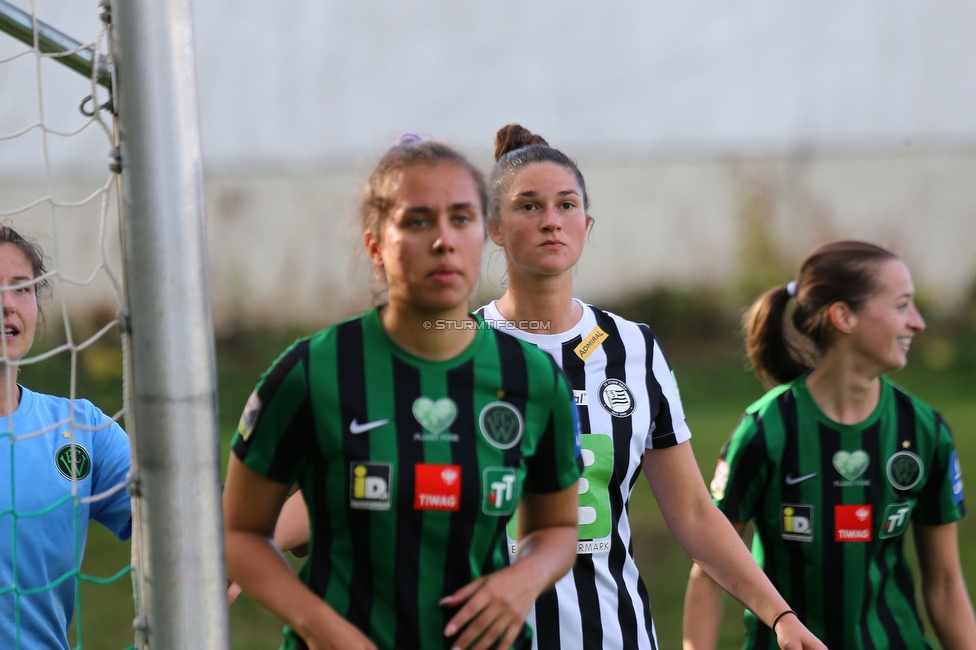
(628, 402)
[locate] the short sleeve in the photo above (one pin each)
(110, 471)
(942, 499)
(668, 426)
(276, 427)
(557, 462)
(742, 470)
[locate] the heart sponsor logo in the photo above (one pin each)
(851, 465)
(434, 416)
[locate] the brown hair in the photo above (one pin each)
(33, 253)
(378, 193)
(843, 271)
(515, 148)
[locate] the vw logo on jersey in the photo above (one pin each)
(74, 466)
(616, 398)
(905, 470)
(501, 424)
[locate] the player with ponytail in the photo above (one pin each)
(630, 412)
(835, 463)
(412, 445)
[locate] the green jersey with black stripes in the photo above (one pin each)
(831, 505)
(410, 468)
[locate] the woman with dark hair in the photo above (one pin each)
(413, 432)
(630, 413)
(62, 462)
(835, 463)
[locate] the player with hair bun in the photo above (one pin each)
(835, 463)
(62, 462)
(630, 412)
(412, 444)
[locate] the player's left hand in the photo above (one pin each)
(494, 608)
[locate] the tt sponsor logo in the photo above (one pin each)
(896, 519)
(852, 523)
(797, 522)
(437, 487)
(369, 485)
(498, 485)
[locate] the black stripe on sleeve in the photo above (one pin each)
(663, 434)
(747, 469)
(299, 433)
(352, 399)
(623, 431)
(833, 553)
(269, 385)
(406, 388)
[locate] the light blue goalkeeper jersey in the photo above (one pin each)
(48, 491)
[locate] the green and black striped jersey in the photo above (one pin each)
(410, 468)
(831, 504)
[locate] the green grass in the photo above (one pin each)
(715, 389)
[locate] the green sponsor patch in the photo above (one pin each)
(852, 464)
(896, 519)
(498, 489)
(434, 416)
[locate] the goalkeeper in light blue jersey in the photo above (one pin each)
(61, 464)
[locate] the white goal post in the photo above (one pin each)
(178, 552)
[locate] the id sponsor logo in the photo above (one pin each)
(955, 471)
(581, 398)
(437, 487)
(895, 520)
(797, 522)
(852, 523)
(369, 485)
(498, 487)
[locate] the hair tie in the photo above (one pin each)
(407, 137)
(791, 289)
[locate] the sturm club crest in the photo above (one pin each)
(501, 424)
(616, 398)
(905, 470)
(73, 466)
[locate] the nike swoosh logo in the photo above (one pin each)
(355, 427)
(799, 479)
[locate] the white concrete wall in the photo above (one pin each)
(854, 118)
